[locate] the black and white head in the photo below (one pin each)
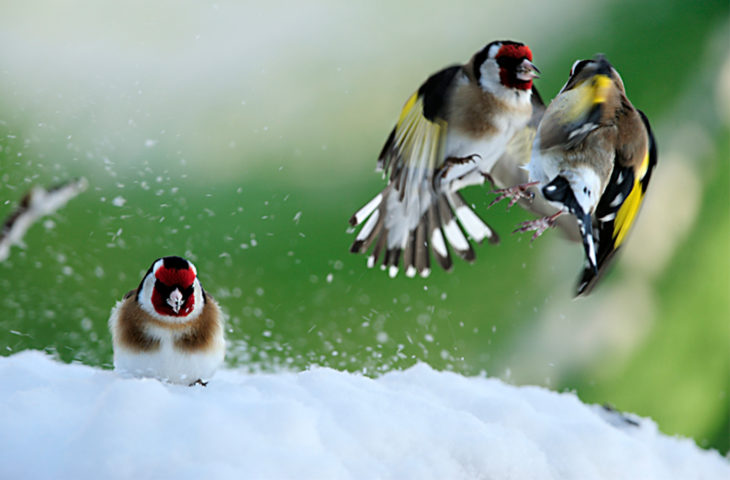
(505, 66)
(170, 291)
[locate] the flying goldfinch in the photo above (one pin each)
(450, 134)
(593, 157)
(168, 328)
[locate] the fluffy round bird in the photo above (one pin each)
(168, 327)
(450, 134)
(593, 157)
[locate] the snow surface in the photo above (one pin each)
(75, 421)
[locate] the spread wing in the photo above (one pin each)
(415, 147)
(412, 213)
(619, 206)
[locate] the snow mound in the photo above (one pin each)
(75, 421)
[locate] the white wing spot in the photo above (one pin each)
(437, 242)
(617, 201)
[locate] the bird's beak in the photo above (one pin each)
(526, 71)
(175, 300)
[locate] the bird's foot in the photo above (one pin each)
(515, 194)
(538, 226)
(199, 382)
(451, 162)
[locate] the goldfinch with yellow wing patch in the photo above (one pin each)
(449, 135)
(593, 157)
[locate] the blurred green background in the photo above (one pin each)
(244, 135)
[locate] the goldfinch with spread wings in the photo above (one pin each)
(450, 134)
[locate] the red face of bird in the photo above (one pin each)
(170, 288)
(507, 63)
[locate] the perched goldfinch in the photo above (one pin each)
(593, 157)
(168, 328)
(450, 134)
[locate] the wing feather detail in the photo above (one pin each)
(618, 208)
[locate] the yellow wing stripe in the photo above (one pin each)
(407, 108)
(418, 140)
(627, 213)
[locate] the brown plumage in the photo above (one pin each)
(450, 134)
(168, 327)
(194, 335)
(593, 157)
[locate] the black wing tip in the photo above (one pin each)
(353, 221)
(589, 278)
(384, 151)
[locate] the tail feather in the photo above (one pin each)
(368, 233)
(391, 261)
(409, 255)
(590, 276)
(360, 216)
(421, 257)
(436, 239)
(378, 249)
(475, 227)
(453, 232)
(398, 237)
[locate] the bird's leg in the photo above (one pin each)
(199, 382)
(539, 225)
(514, 194)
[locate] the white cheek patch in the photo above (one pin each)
(493, 50)
(145, 296)
(489, 75)
(157, 265)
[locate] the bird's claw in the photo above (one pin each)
(539, 226)
(453, 161)
(515, 194)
